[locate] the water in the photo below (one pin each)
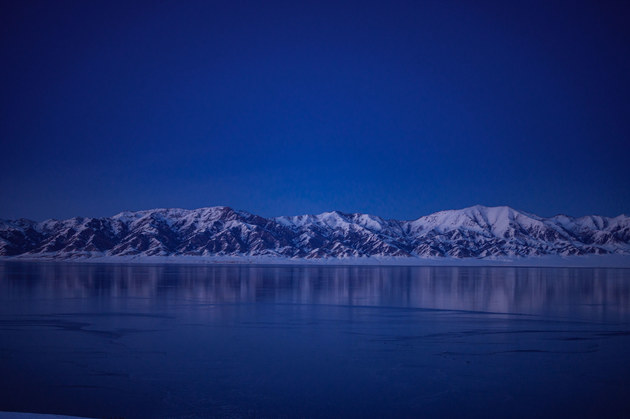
(304, 341)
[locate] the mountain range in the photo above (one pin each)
(474, 232)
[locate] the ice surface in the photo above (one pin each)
(166, 340)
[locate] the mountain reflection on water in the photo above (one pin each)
(490, 289)
(110, 340)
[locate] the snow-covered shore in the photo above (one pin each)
(604, 261)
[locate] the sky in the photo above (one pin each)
(392, 108)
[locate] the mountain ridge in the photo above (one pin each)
(473, 232)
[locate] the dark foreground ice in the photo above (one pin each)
(308, 341)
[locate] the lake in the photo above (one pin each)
(107, 340)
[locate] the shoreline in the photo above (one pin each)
(586, 261)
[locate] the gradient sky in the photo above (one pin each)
(279, 108)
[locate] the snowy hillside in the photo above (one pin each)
(475, 232)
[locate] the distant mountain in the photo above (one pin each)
(475, 232)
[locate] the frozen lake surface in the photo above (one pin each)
(313, 341)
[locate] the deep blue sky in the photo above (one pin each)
(392, 108)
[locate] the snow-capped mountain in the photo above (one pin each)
(479, 232)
